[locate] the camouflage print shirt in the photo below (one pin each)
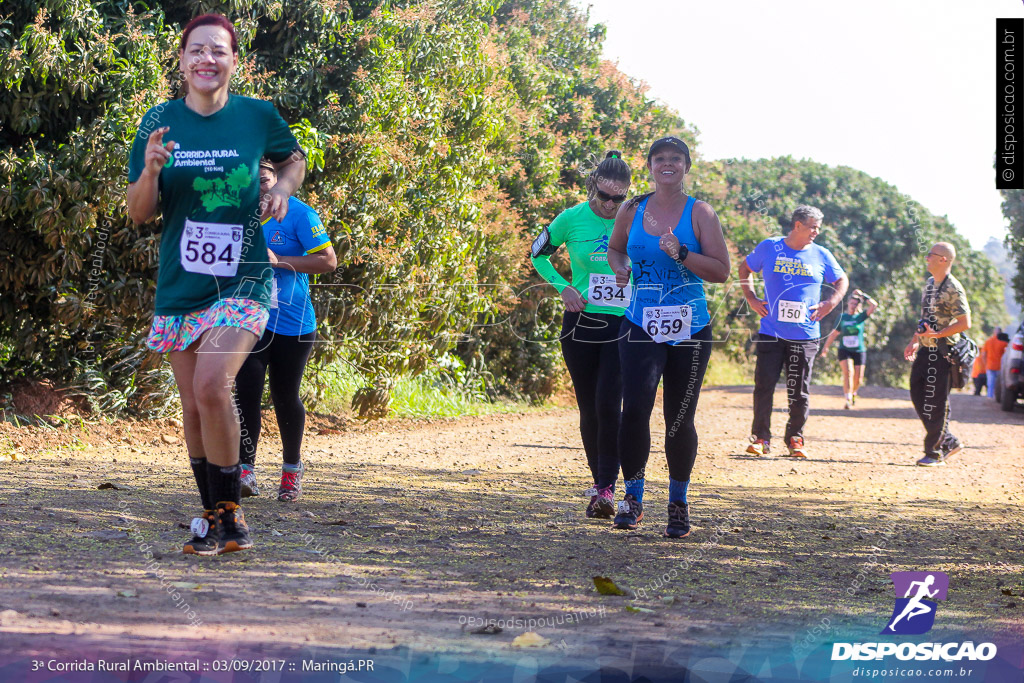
(941, 304)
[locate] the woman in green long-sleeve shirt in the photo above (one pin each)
(590, 327)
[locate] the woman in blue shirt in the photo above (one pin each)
(671, 244)
(296, 247)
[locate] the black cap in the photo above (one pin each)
(671, 142)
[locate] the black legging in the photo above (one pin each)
(592, 357)
(286, 358)
(643, 365)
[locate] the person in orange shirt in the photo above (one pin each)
(978, 373)
(993, 350)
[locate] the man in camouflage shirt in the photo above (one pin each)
(945, 315)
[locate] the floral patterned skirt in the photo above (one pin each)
(178, 332)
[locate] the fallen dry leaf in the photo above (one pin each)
(606, 586)
(530, 639)
(644, 610)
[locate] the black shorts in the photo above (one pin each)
(858, 357)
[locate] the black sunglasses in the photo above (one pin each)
(604, 197)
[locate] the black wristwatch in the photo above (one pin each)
(684, 251)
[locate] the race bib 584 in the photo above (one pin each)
(211, 248)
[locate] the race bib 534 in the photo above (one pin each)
(604, 292)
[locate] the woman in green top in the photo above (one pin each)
(594, 305)
(213, 285)
(853, 354)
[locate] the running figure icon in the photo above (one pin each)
(915, 607)
(916, 596)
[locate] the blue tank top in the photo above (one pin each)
(659, 281)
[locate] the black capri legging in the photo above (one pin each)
(285, 356)
(591, 353)
(644, 363)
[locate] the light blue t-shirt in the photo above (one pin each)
(792, 284)
(301, 233)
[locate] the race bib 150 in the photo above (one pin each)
(792, 311)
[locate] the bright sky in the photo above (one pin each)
(901, 89)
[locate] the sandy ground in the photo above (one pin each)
(411, 534)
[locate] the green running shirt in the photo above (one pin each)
(585, 235)
(851, 331)
(212, 246)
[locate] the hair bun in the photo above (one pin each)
(613, 154)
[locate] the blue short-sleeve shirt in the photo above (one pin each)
(792, 284)
(302, 232)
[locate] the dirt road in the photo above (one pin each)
(412, 534)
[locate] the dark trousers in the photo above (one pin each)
(591, 354)
(979, 383)
(285, 357)
(644, 364)
(797, 359)
(930, 383)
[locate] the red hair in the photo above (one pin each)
(210, 20)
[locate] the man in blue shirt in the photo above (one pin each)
(296, 247)
(793, 269)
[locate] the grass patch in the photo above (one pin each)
(723, 370)
(432, 394)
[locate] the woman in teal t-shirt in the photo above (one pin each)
(853, 354)
(213, 285)
(590, 326)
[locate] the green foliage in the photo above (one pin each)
(446, 391)
(878, 235)
(574, 107)
(1013, 210)
(75, 78)
(440, 135)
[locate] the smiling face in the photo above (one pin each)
(805, 231)
(207, 60)
(668, 166)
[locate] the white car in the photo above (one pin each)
(1009, 384)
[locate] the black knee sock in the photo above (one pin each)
(202, 480)
(225, 483)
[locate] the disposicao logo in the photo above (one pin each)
(914, 613)
(917, 594)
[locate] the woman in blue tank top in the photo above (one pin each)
(671, 244)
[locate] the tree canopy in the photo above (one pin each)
(441, 135)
